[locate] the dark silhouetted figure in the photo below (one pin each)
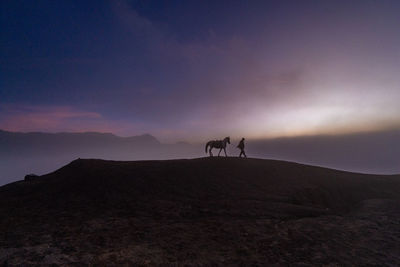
(241, 147)
(221, 144)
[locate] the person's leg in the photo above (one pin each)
(244, 153)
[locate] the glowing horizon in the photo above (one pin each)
(193, 71)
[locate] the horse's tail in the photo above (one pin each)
(207, 145)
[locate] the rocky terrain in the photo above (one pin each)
(207, 211)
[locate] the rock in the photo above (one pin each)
(30, 177)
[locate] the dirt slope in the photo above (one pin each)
(201, 211)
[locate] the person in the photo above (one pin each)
(241, 147)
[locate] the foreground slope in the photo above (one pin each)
(200, 211)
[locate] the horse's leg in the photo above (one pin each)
(225, 152)
(211, 152)
(219, 151)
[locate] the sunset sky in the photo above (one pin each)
(193, 70)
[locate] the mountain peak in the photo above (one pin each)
(148, 138)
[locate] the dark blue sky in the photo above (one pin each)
(199, 69)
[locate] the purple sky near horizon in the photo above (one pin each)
(197, 70)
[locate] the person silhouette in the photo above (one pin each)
(241, 147)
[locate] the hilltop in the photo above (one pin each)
(40, 153)
(200, 211)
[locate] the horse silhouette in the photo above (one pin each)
(221, 144)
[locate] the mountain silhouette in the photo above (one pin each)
(206, 211)
(23, 153)
(37, 142)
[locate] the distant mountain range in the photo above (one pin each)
(36, 152)
(14, 143)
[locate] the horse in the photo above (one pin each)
(221, 144)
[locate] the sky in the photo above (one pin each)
(198, 70)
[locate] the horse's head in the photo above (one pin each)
(228, 140)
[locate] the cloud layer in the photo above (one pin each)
(194, 71)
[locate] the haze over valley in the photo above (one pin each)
(40, 153)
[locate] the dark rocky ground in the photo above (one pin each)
(209, 211)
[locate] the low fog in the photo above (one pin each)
(41, 153)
